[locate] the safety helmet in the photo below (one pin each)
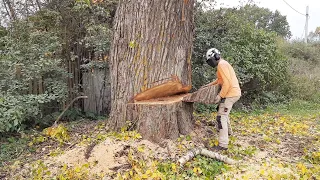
(213, 53)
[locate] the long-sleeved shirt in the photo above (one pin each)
(228, 80)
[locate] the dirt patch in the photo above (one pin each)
(293, 146)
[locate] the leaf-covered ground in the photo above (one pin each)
(278, 143)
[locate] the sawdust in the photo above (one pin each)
(71, 157)
(112, 153)
(103, 155)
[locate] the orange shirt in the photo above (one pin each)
(228, 80)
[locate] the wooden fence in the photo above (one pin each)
(93, 82)
(96, 85)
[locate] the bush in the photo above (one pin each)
(302, 51)
(304, 70)
(29, 59)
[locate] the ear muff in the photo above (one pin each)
(217, 56)
(212, 62)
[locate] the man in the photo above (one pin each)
(229, 94)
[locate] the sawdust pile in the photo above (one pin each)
(111, 154)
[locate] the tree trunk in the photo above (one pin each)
(5, 6)
(38, 4)
(152, 41)
(11, 9)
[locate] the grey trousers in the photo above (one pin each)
(223, 121)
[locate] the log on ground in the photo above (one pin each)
(162, 118)
(194, 152)
(204, 95)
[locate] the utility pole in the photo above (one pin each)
(306, 28)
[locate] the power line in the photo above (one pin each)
(293, 8)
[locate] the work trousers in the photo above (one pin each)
(223, 120)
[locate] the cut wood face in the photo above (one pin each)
(163, 100)
(166, 89)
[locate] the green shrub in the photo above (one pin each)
(29, 56)
(302, 51)
(303, 66)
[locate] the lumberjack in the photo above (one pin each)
(229, 94)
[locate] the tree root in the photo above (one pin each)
(194, 152)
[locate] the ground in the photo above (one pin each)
(282, 142)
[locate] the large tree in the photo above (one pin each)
(152, 41)
(266, 19)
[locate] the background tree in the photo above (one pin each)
(266, 19)
(314, 36)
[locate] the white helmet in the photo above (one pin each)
(213, 53)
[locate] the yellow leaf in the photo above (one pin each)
(86, 165)
(302, 168)
(132, 44)
(141, 148)
(216, 142)
(195, 170)
(77, 169)
(137, 136)
(126, 137)
(156, 175)
(245, 177)
(174, 167)
(144, 176)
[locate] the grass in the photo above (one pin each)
(295, 108)
(271, 130)
(13, 147)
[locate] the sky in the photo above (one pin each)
(296, 20)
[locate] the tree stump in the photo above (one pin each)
(162, 118)
(203, 95)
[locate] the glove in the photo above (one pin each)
(217, 99)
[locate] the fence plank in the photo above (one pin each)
(97, 87)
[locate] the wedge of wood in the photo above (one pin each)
(204, 95)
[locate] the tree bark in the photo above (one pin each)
(152, 41)
(38, 4)
(194, 152)
(5, 6)
(11, 9)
